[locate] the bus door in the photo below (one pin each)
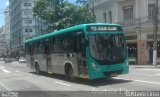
(81, 55)
(48, 55)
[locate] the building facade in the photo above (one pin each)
(2, 41)
(136, 16)
(22, 24)
(7, 30)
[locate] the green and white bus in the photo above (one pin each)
(91, 51)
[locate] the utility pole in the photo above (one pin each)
(140, 32)
(155, 19)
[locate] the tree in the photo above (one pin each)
(61, 14)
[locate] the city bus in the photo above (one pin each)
(90, 51)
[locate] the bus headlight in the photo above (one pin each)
(95, 67)
(127, 63)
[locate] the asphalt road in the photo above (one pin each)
(25, 83)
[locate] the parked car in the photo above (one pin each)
(1, 59)
(132, 60)
(7, 60)
(22, 60)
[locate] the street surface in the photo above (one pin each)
(17, 77)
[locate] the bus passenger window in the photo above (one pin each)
(58, 44)
(36, 48)
(31, 51)
(68, 44)
(52, 45)
(47, 47)
(41, 47)
(80, 45)
(83, 47)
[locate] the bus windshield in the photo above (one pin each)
(107, 48)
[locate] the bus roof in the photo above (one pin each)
(77, 27)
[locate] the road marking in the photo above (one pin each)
(61, 83)
(6, 71)
(157, 74)
(1, 67)
(148, 69)
(16, 71)
(139, 80)
(143, 74)
(4, 86)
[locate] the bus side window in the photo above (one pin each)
(58, 44)
(68, 43)
(52, 45)
(80, 45)
(47, 44)
(36, 47)
(83, 46)
(28, 47)
(31, 50)
(41, 47)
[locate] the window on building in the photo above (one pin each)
(30, 21)
(131, 37)
(29, 4)
(26, 30)
(25, 4)
(25, 12)
(110, 16)
(30, 30)
(151, 10)
(128, 12)
(104, 17)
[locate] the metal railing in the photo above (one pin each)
(136, 22)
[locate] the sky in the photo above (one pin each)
(73, 1)
(4, 4)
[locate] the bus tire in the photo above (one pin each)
(69, 73)
(37, 68)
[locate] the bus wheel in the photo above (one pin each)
(37, 69)
(69, 74)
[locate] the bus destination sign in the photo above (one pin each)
(103, 28)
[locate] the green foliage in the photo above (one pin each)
(60, 14)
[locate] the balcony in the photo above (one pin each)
(137, 23)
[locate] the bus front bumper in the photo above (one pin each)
(108, 71)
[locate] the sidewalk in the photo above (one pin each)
(145, 66)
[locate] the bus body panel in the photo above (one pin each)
(41, 59)
(56, 67)
(28, 62)
(71, 60)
